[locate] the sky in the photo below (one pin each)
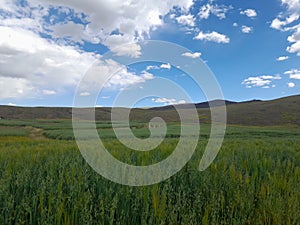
(47, 47)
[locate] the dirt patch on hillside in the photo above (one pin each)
(35, 133)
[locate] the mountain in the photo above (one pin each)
(256, 112)
(213, 103)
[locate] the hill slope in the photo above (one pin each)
(274, 112)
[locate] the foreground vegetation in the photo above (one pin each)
(254, 180)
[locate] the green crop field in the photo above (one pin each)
(45, 180)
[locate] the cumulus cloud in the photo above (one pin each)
(249, 12)
(187, 20)
(162, 66)
(292, 5)
(293, 74)
(32, 64)
(42, 67)
(213, 37)
(96, 21)
(295, 40)
(246, 29)
(124, 78)
(123, 45)
(111, 75)
(235, 24)
(282, 58)
(263, 81)
(291, 84)
(283, 23)
(192, 55)
(14, 87)
(152, 68)
(279, 24)
(70, 31)
(168, 101)
(165, 66)
(210, 9)
(40, 44)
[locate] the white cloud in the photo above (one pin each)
(293, 74)
(263, 81)
(279, 24)
(152, 68)
(181, 102)
(15, 88)
(217, 10)
(192, 55)
(162, 66)
(112, 76)
(249, 12)
(235, 24)
(187, 20)
(291, 84)
(213, 36)
(69, 30)
(49, 92)
(11, 104)
(7, 5)
(168, 101)
(123, 45)
(295, 39)
(172, 16)
(282, 58)
(247, 30)
(277, 77)
(165, 66)
(40, 66)
(292, 5)
(292, 16)
(132, 19)
(129, 49)
(124, 78)
(146, 76)
(84, 94)
(32, 64)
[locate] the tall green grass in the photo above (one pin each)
(254, 180)
(8, 131)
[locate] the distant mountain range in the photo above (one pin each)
(201, 105)
(256, 112)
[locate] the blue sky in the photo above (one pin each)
(46, 47)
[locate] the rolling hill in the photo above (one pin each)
(262, 113)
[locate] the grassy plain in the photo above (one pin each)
(45, 180)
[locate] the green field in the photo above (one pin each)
(45, 180)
